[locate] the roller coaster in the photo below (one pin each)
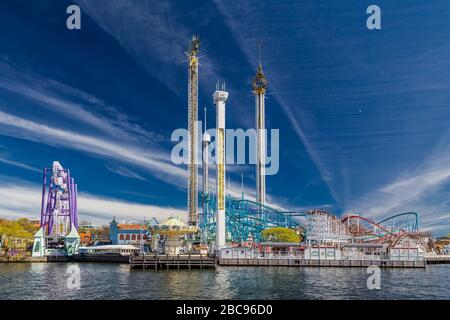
(388, 230)
(245, 218)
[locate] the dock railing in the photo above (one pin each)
(168, 261)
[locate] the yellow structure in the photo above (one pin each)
(193, 127)
(220, 96)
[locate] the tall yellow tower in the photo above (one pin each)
(220, 96)
(193, 127)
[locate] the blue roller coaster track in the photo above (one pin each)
(244, 218)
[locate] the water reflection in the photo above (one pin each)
(117, 281)
(222, 283)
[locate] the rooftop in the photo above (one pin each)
(111, 247)
(362, 245)
(125, 226)
(280, 244)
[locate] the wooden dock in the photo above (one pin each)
(438, 259)
(284, 262)
(180, 261)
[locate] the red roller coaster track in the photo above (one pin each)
(353, 216)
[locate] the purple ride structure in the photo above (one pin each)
(59, 202)
(59, 216)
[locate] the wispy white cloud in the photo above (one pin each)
(421, 189)
(125, 172)
(21, 199)
(115, 135)
(151, 32)
(33, 131)
(19, 165)
(75, 104)
(103, 208)
(163, 170)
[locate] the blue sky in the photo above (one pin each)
(363, 115)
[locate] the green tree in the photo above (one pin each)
(100, 233)
(11, 230)
(280, 234)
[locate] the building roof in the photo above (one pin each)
(73, 233)
(236, 248)
(173, 226)
(280, 244)
(39, 233)
(362, 245)
(173, 222)
(111, 247)
(125, 226)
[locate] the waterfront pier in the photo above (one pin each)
(283, 262)
(166, 261)
(438, 259)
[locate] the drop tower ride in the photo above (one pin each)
(220, 96)
(259, 86)
(193, 127)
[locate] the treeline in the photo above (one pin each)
(16, 239)
(21, 228)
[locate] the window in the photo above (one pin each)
(121, 236)
(133, 237)
(127, 237)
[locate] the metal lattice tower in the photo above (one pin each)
(193, 127)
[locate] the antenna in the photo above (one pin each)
(259, 51)
(242, 185)
(205, 118)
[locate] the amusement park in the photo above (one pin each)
(225, 229)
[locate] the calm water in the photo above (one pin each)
(117, 281)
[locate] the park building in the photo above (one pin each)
(128, 233)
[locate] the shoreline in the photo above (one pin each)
(295, 263)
